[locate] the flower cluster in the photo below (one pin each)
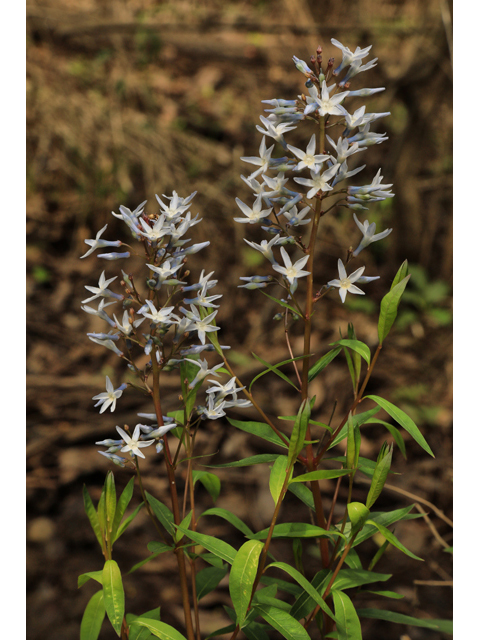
(162, 322)
(280, 207)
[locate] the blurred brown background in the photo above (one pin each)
(128, 99)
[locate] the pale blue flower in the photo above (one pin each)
(97, 243)
(109, 397)
(254, 214)
(102, 291)
(133, 444)
(348, 56)
(369, 236)
(345, 283)
(308, 158)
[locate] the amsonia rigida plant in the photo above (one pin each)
(163, 323)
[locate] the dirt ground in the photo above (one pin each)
(129, 99)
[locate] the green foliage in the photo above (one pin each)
(114, 596)
(242, 577)
(93, 617)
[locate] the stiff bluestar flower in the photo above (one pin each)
(106, 341)
(162, 316)
(308, 158)
(238, 403)
(254, 214)
(195, 248)
(97, 243)
(364, 93)
(222, 390)
(343, 148)
(348, 56)
(159, 432)
(296, 218)
(156, 231)
(326, 104)
(367, 138)
(204, 281)
(345, 283)
(133, 444)
(263, 160)
(177, 205)
(280, 103)
(109, 397)
(118, 460)
(198, 348)
(344, 173)
(292, 271)
(203, 300)
(275, 129)
(375, 188)
(265, 247)
(355, 68)
(203, 371)
(165, 270)
(100, 311)
(200, 324)
(254, 282)
(318, 181)
(302, 66)
(369, 236)
(131, 218)
(114, 256)
(360, 118)
(102, 291)
(212, 411)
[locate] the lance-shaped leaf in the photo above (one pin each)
(348, 624)
(93, 617)
(304, 604)
(380, 474)
(321, 474)
(92, 515)
(322, 363)
(208, 579)
(352, 578)
(305, 584)
(388, 535)
(242, 577)
(110, 503)
(401, 274)
(246, 462)
(358, 419)
(210, 481)
(159, 629)
(113, 594)
(185, 523)
(274, 369)
(259, 429)
(296, 530)
(283, 622)
(91, 575)
(127, 522)
(389, 307)
(229, 517)
(278, 475)
(404, 420)
(357, 346)
(162, 512)
(299, 430)
(122, 505)
(219, 548)
(353, 443)
(445, 626)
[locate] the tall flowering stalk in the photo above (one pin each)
(167, 324)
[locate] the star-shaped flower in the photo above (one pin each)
(345, 283)
(349, 56)
(318, 181)
(133, 444)
(254, 214)
(369, 236)
(292, 271)
(102, 291)
(308, 159)
(97, 243)
(326, 104)
(109, 397)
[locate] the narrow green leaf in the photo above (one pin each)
(110, 502)
(322, 363)
(219, 548)
(156, 548)
(348, 625)
(353, 560)
(299, 430)
(210, 481)
(358, 420)
(401, 274)
(260, 429)
(101, 515)
(321, 474)
(256, 631)
(274, 369)
(283, 622)
(278, 476)
(356, 345)
(296, 530)
(113, 594)
(385, 519)
(91, 575)
(304, 604)
(162, 512)
(351, 578)
(242, 576)
(207, 579)
(283, 585)
(122, 505)
(303, 493)
(93, 617)
(92, 515)
(389, 307)
(404, 420)
(397, 436)
(247, 462)
(159, 629)
(386, 594)
(123, 526)
(229, 517)
(305, 584)
(445, 626)
(185, 523)
(379, 476)
(388, 535)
